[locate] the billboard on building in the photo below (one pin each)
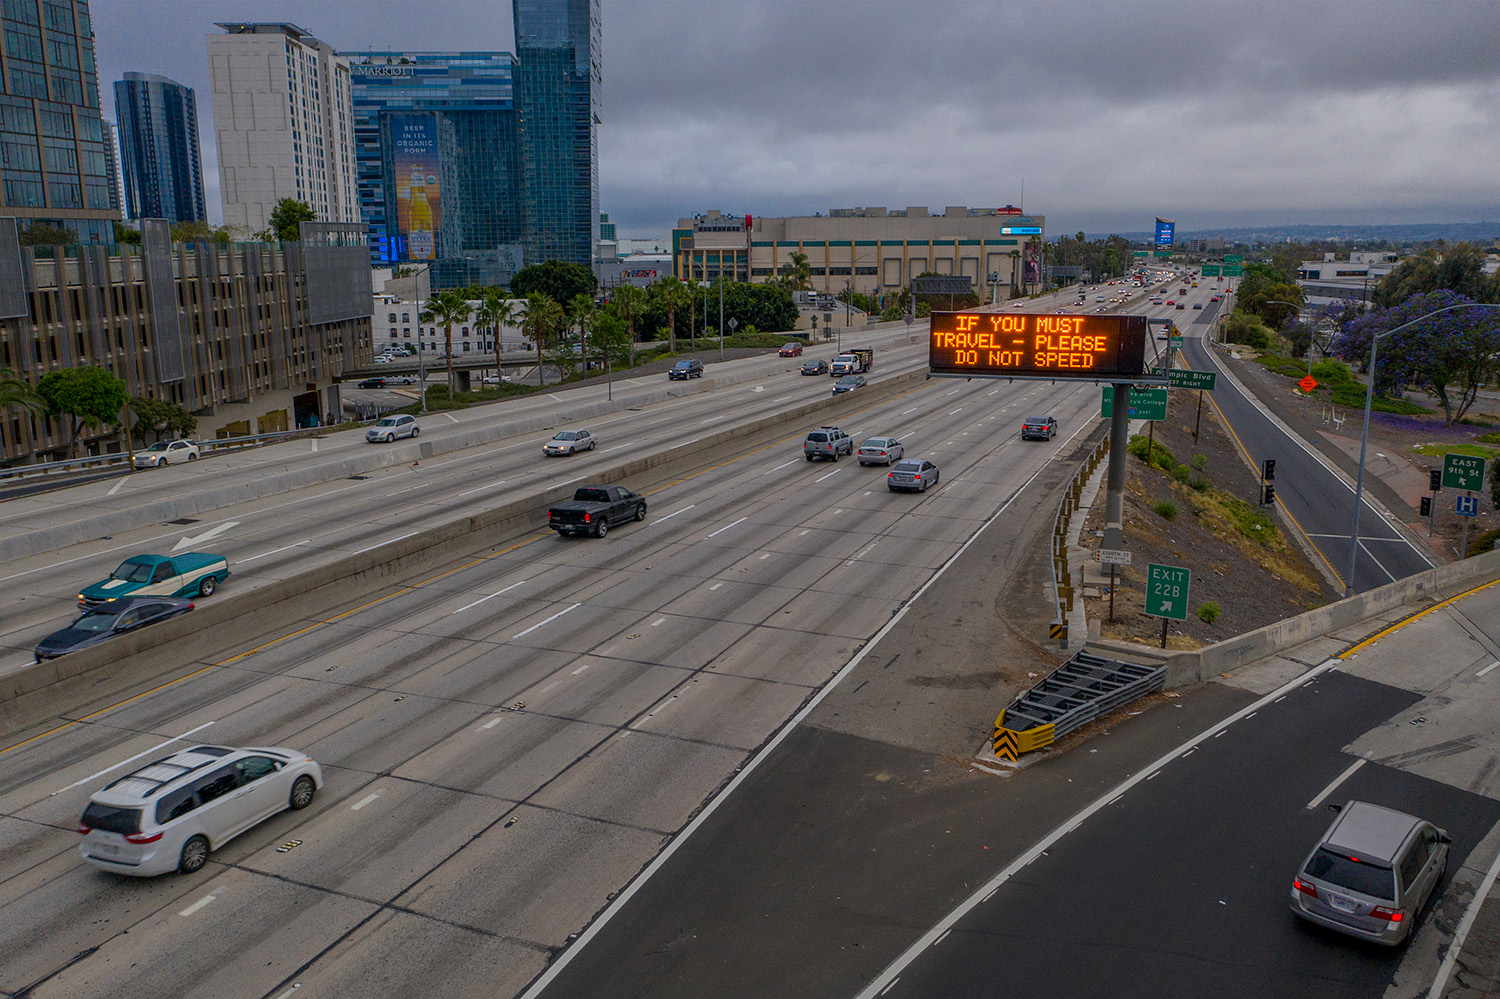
(1031, 264)
(419, 203)
(1164, 230)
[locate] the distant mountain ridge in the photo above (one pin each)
(1421, 232)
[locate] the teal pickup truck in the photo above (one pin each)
(186, 575)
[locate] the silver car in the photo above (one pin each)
(1371, 873)
(912, 473)
(391, 427)
(170, 814)
(570, 442)
(166, 453)
(881, 451)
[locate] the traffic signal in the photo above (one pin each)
(1427, 506)
(1435, 480)
(1267, 494)
(1268, 469)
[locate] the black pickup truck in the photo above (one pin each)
(594, 509)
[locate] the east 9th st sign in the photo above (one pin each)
(1037, 345)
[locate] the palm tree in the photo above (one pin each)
(1015, 262)
(542, 317)
(672, 293)
(630, 300)
(581, 311)
(16, 391)
(495, 310)
(447, 307)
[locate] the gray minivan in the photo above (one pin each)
(1371, 873)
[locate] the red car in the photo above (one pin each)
(1171, 302)
(791, 350)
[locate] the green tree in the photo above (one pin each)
(160, 418)
(559, 280)
(1458, 268)
(41, 234)
(496, 310)
(127, 235)
(628, 301)
(84, 396)
(285, 223)
(581, 312)
(16, 391)
(444, 309)
(608, 336)
(796, 275)
(543, 318)
(672, 294)
(197, 232)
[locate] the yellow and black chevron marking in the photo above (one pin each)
(1010, 744)
(1058, 629)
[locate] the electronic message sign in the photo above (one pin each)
(1036, 345)
(1164, 231)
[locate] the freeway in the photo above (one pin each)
(508, 738)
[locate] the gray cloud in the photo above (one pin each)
(1111, 113)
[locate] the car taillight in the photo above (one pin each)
(142, 837)
(1304, 887)
(1394, 915)
(84, 829)
(586, 517)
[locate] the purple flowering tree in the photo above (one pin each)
(1450, 356)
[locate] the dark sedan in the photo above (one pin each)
(108, 620)
(372, 383)
(848, 383)
(815, 367)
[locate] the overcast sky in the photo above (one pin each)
(1107, 114)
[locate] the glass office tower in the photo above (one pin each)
(438, 160)
(54, 167)
(159, 155)
(558, 93)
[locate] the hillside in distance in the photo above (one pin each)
(1421, 232)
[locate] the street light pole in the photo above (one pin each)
(721, 309)
(1364, 438)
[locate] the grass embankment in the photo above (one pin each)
(1338, 384)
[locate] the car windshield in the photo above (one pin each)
(787, 345)
(849, 380)
(684, 364)
(1355, 875)
(95, 623)
(387, 422)
(566, 435)
(135, 572)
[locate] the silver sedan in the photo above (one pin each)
(881, 451)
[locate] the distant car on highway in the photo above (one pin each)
(383, 359)
(1171, 301)
(594, 509)
(687, 368)
(1038, 428)
(849, 383)
(570, 442)
(1197, 305)
(827, 442)
(1371, 873)
(912, 473)
(171, 813)
(880, 451)
(167, 453)
(372, 383)
(793, 349)
(108, 620)
(1181, 305)
(817, 367)
(495, 380)
(391, 427)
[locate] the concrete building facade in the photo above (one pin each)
(1329, 281)
(283, 124)
(161, 163)
(249, 337)
(869, 249)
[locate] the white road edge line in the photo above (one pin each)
(566, 957)
(728, 526)
(1462, 932)
(132, 759)
(886, 977)
(273, 551)
(384, 543)
(1334, 784)
(481, 600)
(554, 617)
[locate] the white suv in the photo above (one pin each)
(170, 814)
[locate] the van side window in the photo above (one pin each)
(176, 804)
(255, 768)
(1411, 864)
(217, 784)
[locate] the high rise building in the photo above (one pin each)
(439, 162)
(283, 124)
(559, 95)
(606, 227)
(159, 154)
(54, 166)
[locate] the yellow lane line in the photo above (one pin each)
(1355, 649)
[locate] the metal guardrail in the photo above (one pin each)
(1062, 580)
(1077, 692)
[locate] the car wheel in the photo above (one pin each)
(640, 512)
(892, 488)
(302, 792)
(415, 431)
(192, 457)
(161, 463)
(924, 487)
(194, 854)
(837, 454)
(602, 529)
(207, 585)
(808, 457)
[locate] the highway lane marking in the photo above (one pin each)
(273, 551)
(912, 410)
(728, 526)
(553, 397)
(361, 803)
(676, 512)
(132, 759)
(713, 419)
(451, 417)
(782, 399)
(886, 978)
(867, 493)
(807, 530)
(1333, 785)
(549, 620)
(674, 447)
(1379, 564)
(315, 445)
(569, 482)
(487, 485)
(616, 447)
(954, 392)
(116, 487)
(765, 556)
(1355, 650)
(660, 620)
(1461, 933)
(956, 411)
(481, 600)
(208, 535)
(409, 534)
(491, 723)
(716, 586)
(1488, 668)
(199, 904)
(574, 673)
(554, 683)
(781, 466)
(830, 474)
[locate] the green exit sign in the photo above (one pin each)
(1145, 404)
(1167, 591)
(1463, 471)
(1210, 270)
(1204, 380)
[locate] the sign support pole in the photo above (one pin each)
(1463, 546)
(1163, 632)
(1112, 569)
(1114, 499)
(1198, 421)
